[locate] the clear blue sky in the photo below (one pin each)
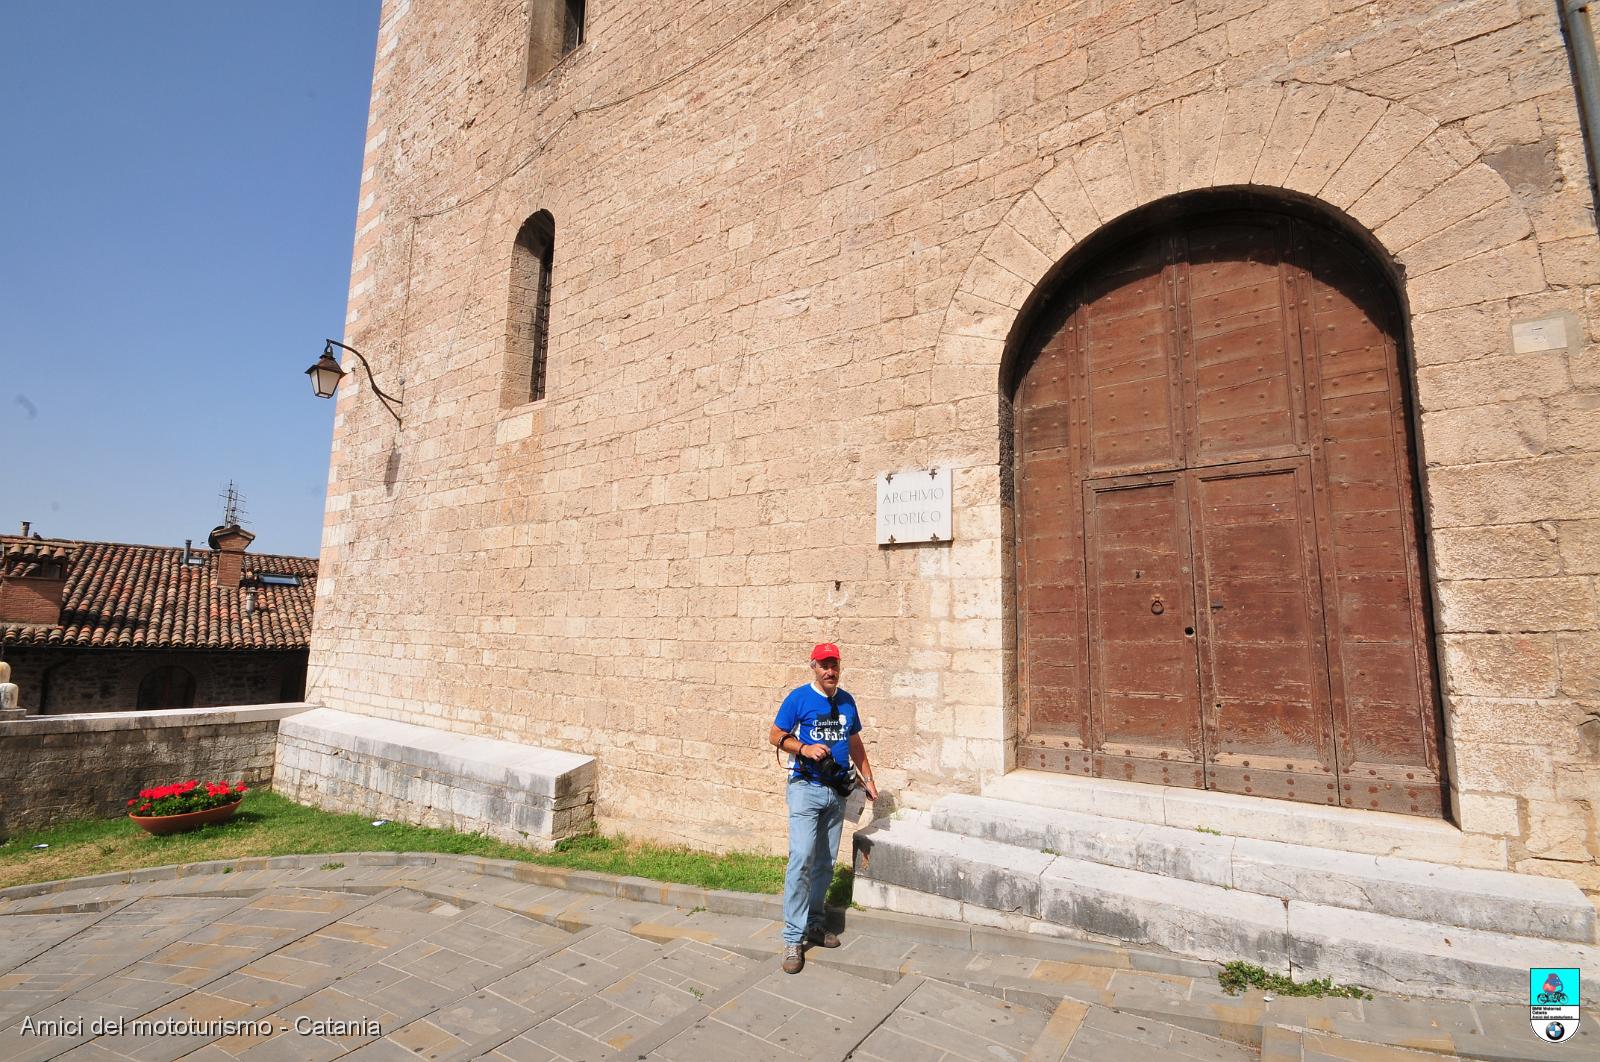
(179, 182)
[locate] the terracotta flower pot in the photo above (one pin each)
(163, 824)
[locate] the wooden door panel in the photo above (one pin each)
(1127, 369)
(1051, 640)
(1243, 386)
(1380, 667)
(1263, 670)
(1143, 693)
(1215, 424)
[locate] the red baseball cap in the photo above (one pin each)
(825, 651)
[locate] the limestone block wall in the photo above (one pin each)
(792, 240)
(58, 768)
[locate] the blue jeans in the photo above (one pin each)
(816, 818)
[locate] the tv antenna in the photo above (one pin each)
(233, 510)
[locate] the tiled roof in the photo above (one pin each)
(145, 597)
(29, 556)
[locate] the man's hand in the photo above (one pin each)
(814, 752)
(858, 756)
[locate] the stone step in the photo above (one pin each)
(910, 866)
(1497, 901)
(1234, 815)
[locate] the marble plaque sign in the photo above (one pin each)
(914, 506)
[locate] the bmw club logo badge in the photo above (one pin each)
(1553, 994)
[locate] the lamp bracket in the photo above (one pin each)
(385, 399)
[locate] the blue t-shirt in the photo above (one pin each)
(806, 715)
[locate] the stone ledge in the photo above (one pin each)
(523, 794)
(549, 772)
(102, 722)
(1346, 829)
(1494, 900)
(905, 865)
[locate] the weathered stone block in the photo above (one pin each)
(1559, 831)
(1552, 725)
(399, 770)
(1512, 770)
(1516, 605)
(1485, 813)
(1580, 664)
(1514, 270)
(1484, 432)
(1503, 552)
(1501, 665)
(1545, 488)
(1486, 382)
(1402, 955)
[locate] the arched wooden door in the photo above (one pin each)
(1218, 581)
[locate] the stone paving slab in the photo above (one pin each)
(29, 936)
(453, 957)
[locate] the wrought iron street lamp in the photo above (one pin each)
(326, 374)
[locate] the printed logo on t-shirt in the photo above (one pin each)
(829, 731)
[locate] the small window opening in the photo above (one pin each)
(555, 30)
(572, 31)
(277, 579)
(528, 325)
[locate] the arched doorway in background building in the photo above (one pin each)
(1218, 581)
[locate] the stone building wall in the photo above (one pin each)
(791, 243)
(55, 770)
(107, 680)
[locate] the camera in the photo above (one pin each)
(833, 775)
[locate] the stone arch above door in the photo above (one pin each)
(1446, 219)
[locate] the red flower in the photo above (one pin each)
(175, 798)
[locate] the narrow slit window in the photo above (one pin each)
(529, 312)
(572, 30)
(555, 30)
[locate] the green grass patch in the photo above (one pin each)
(1238, 976)
(841, 891)
(269, 825)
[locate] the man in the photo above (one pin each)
(816, 722)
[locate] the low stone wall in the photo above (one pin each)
(523, 794)
(62, 767)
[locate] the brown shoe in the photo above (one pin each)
(793, 960)
(820, 937)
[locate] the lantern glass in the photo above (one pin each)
(325, 376)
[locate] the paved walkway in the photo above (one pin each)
(381, 957)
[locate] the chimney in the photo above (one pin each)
(230, 541)
(33, 580)
(25, 527)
